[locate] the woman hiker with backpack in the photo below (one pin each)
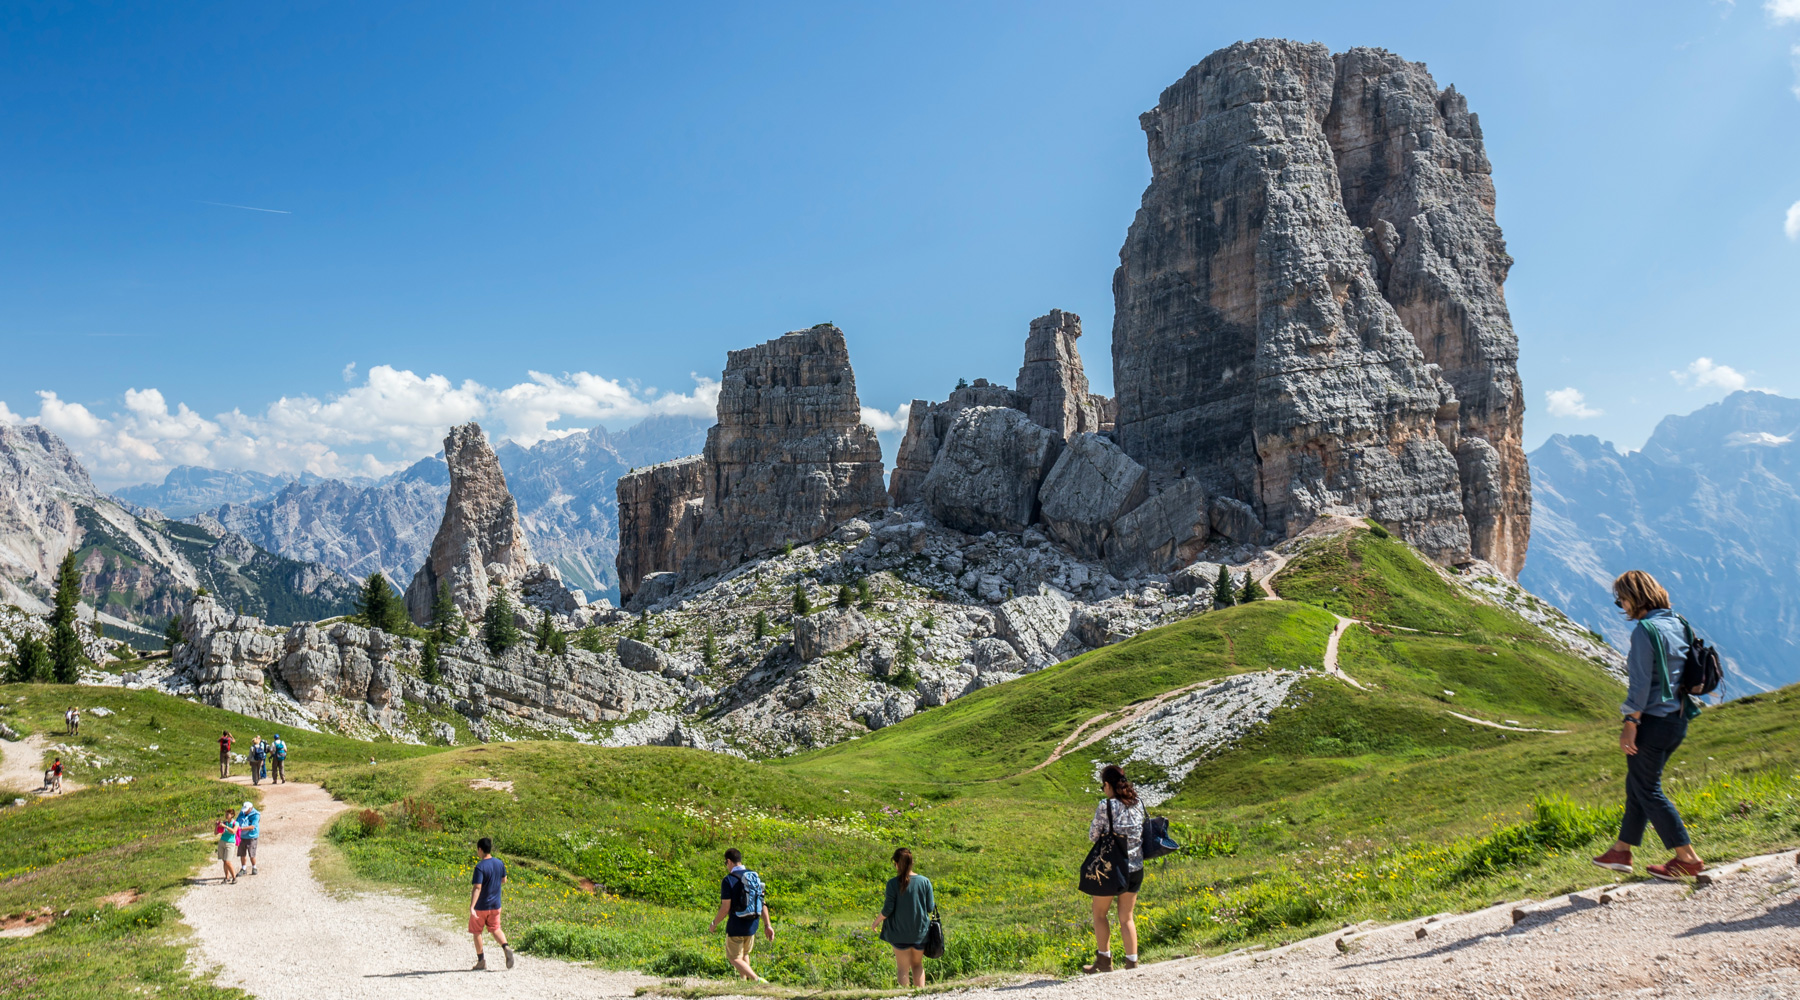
(1656, 712)
(905, 919)
(1115, 867)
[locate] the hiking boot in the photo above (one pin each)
(1676, 870)
(509, 955)
(1131, 963)
(1102, 963)
(480, 964)
(1616, 860)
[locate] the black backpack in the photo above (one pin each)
(1156, 839)
(1701, 671)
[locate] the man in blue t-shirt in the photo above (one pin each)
(740, 932)
(249, 823)
(484, 902)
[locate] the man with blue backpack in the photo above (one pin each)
(742, 906)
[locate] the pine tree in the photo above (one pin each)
(1253, 591)
(1222, 597)
(559, 643)
(428, 660)
(544, 631)
(845, 596)
(446, 622)
(30, 662)
(907, 654)
(378, 606)
(709, 653)
(802, 604)
(640, 629)
(865, 598)
(761, 628)
(498, 630)
(172, 636)
(65, 645)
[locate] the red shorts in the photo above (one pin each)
(488, 919)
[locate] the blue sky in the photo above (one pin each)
(436, 201)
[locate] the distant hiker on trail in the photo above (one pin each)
(249, 823)
(905, 918)
(278, 755)
(72, 720)
(55, 782)
(484, 903)
(225, 754)
(1656, 722)
(226, 830)
(258, 753)
(1120, 815)
(742, 906)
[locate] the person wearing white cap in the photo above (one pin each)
(248, 821)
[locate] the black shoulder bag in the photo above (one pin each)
(1108, 861)
(934, 937)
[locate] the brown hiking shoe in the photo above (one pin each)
(1131, 963)
(480, 964)
(1616, 860)
(1102, 963)
(1677, 870)
(509, 955)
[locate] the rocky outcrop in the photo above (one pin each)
(1254, 346)
(480, 542)
(1052, 379)
(1091, 486)
(1163, 533)
(986, 475)
(789, 460)
(827, 632)
(658, 508)
(926, 425)
(1415, 176)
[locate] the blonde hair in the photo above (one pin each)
(1639, 592)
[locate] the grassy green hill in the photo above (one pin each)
(1345, 804)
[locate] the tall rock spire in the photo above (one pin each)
(480, 540)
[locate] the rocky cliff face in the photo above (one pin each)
(384, 528)
(658, 508)
(1254, 346)
(1416, 177)
(788, 461)
(480, 540)
(1052, 378)
(928, 423)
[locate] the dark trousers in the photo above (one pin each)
(1657, 738)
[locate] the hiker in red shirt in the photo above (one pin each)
(225, 754)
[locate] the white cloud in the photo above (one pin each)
(1569, 402)
(884, 422)
(350, 373)
(1761, 439)
(1783, 10)
(393, 418)
(7, 416)
(1703, 372)
(1792, 225)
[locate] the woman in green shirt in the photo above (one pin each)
(905, 917)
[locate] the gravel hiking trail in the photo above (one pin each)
(22, 766)
(1733, 940)
(280, 936)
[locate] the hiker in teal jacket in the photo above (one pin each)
(906, 910)
(1655, 723)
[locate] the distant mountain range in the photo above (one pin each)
(138, 567)
(565, 488)
(1710, 507)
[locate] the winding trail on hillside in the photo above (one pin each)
(22, 767)
(1733, 940)
(280, 936)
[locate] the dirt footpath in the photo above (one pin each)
(279, 936)
(22, 766)
(1734, 939)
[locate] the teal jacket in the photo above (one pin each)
(908, 911)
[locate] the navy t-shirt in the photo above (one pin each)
(732, 888)
(488, 874)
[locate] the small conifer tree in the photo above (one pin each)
(544, 632)
(172, 636)
(65, 645)
(428, 660)
(845, 596)
(907, 655)
(30, 661)
(1222, 590)
(640, 629)
(761, 629)
(865, 597)
(802, 603)
(709, 653)
(446, 622)
(1253, 591)
(498, 630)
(379, 607)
